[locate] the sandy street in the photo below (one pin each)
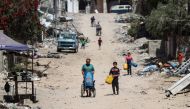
(61, 89)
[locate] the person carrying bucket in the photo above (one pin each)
(128, 60)
(115, 72)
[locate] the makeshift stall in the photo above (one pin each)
(12, 47)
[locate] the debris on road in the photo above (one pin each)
(178, 86)
(45, 65)
(128, 18)
(122, 35)
(143, 92)
(150, 68)
(53, 55)
(16, 106)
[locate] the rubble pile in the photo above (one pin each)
(128, 18)
(160, 65)
(150, 64)
(3, 106)
(3, 75)
(122, 35)
(16, 106)
(140, 46)
(48, 43)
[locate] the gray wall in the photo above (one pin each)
(156, 48)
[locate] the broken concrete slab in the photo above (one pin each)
(178, 86)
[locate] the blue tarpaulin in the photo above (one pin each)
(6, 43)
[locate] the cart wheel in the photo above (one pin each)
(94, 92)
(82, 90)
(90, 92)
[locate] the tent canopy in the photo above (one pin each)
(6, 43)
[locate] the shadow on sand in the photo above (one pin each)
(109, 95)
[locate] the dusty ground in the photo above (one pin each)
(61, 89)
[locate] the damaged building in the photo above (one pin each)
(76, 6)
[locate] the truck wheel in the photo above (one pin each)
(82, 90)
(94, 92)
(58, 50)
(76, 50)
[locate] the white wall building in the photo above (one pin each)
(73, 6)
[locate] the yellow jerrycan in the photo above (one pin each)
(109, 79)
(125, 66)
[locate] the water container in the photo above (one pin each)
(89, 78)
(125, 66)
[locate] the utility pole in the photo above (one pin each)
(188, 7)
(55, 8)
(73, 6)
(55, 17)
(59, 7)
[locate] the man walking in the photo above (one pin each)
(115, 73)
(99, 42)
(92, 21)
(83, 43)
(98, 29)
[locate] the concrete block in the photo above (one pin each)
(155, 48)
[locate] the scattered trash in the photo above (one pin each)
(45, 65)
(134, 64)
(16, 106)
(3, 106)
(143, 92)
(150, 68)
(35, 78)
(173, 64)
(53, 55)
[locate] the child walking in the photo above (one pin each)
(115, 72)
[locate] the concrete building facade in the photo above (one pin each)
(72, 6)
(76, 6)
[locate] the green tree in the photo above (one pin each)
(168, 19)
(144, 7)
(19, 19)
(133, 31)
